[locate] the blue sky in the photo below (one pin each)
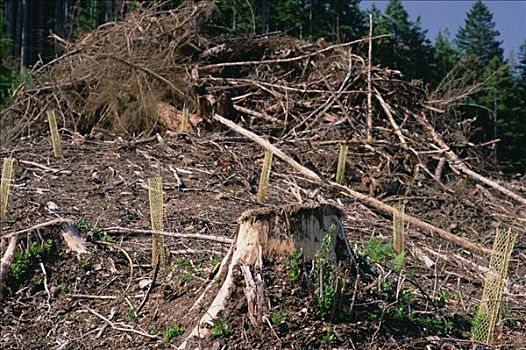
(509, 16)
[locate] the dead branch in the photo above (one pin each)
(457, 163)
(5, 263)
(116, 229)
(57, 221)
(293, 59)
(369, 126)
(389, 112)
(370, 201)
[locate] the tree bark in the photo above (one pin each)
(24, 53)
(270, 233)
(10, 15)
(109, 11)
(18, 29)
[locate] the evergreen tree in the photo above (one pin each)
(445, 56)
(239, 16)
(499, 117)
(478, 36)
(521, 67)
(348, 21)
(287, 16)
(8, 75)
(408, 50)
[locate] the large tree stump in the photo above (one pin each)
(264, 235)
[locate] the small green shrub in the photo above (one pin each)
(329, 336)
(85, 263)
(294, 266)
(215, 259)
(185, 277)
(219, 329)
(23, 260)
(93, 234)
(378, 252)
(324, 264)
(278, 317)
(132, 315)
(171, 332)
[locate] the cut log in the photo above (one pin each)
(264, 235)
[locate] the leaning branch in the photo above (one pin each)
(169, 234)
(456, 163)
(370, 201)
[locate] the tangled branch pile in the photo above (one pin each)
(306, 97)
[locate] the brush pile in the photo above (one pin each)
(132, 79)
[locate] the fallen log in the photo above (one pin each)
(370, 201)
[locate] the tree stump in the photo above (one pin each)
(264, 235)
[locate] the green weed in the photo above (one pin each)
(278, 317)
(219, 329)
(326, 274)
(171, 332)
(294, 266)
(383, 252)
(85, 264)
(132, 315)
(215, 259)
(22, 260)
(93, 234)
(185, 277)
(329, 336)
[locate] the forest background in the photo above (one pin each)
(474, 54)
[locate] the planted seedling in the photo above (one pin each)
(171, 332)
(278, 317)
(219, 329)
(132, 315)
(294, 266)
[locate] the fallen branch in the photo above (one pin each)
(370, 201)
(53, 222)
(388, 111)
(293, 59)
(5, 263)
(457, 163)
(219, 239)
(311, 175)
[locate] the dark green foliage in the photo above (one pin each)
(478, 36)
(219, 329)
(445, 55)
(408, 50)
(171, 332)
(294, 266)
(326, 274)
(383, 252)
(288, 17)
(499, 113)
(34, 253)
(8, 76)
(239, 16)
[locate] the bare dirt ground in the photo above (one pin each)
(119, 93)
(85, 302)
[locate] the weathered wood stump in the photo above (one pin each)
(264, 235)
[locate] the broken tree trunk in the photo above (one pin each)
(268, 234)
